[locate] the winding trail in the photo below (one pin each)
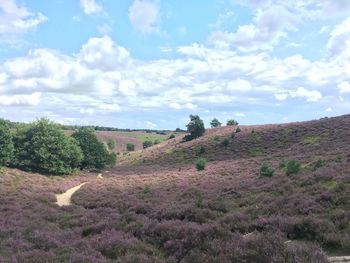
(65, 198)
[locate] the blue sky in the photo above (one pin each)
(151, 63)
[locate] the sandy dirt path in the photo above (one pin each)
(65, 198)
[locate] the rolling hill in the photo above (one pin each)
(154, 206)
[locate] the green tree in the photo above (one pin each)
(195, 127)
(231, 122)
(215, 123)
(6, 143)
(43, 147)
(96, 155)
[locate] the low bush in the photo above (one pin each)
(225, 142)
(111, 144)
(172, 136)
(201, 150)
(200, 164)
(238, 130)
(266, 170)
(147, 144)
(130, 147)
(293, 167)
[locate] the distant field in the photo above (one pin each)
(123, 138)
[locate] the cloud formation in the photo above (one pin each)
(144, 16)
(90, 7)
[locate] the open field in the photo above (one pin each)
(154, 206)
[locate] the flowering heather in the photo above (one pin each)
(226, 213)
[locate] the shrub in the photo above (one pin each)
(156, 141)
(318, 164)
(195, 127)
(147, 190)
(147, 144)
(231, 122)
(238, 130)
(266, 170)
(112, 159)
(215, 123)
(201, 149)
(172, 136)
(96, 155)
(6, 143)
(293, 167)
(130, 147)
(225, 142)
(111, 144)
(200, 164)
(43, 147)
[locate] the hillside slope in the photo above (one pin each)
(330, 136)
(154, 206)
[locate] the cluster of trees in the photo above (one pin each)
(196, 126)
(43, 147)
(216, 123)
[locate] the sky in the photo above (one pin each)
(152, 63)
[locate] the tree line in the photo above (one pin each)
(42, 146)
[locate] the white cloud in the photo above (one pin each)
(309, 95)
(103, 54)
(90, 7)
(17, 19)
(109, 107)
(21, 100)
(344, 87)
(240, 114)
(151, 125)
(239, 85)
(144, 16)
(339, 42)
(329, 109)
(281, 96)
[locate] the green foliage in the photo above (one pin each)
(198, 200)
(147, 190)
(200, 164)
(130, 147)
(147, 144)
(293, 167)
(231, 122)
(238, 130)
(201, 149)
(225, 142)
(43, 147)
(111, 144)
(318, 164)
(96, 155)
(266, 170)
(156, 141)
(112, 159)
(172, 136)
(215, 123)
(195, 127)
(6, 143)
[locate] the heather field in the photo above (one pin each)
(154, 206)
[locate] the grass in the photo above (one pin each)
(312, 139)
